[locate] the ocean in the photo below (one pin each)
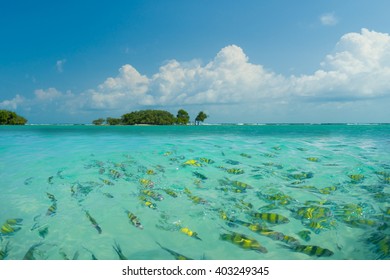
(275, 192)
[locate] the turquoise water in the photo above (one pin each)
(215, 192)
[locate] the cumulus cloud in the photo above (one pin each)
(13, 103)
(357, 69)
(329, 19)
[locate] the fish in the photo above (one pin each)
(28, 181)
(170, 192)
(190, 233)
(93, 222)
(243, 241)
(30, 253)
(232, 162)
(118, 250)
(290, 240)
(301, 175)
(14, 221)
(50, 180)
(328, 190)
(199, 175)
(313, 159)
(153, 195)
(4, 252)
(312, 250)
(313, 212)
(147, 203)
(356, 178)
(146, 183)
(271, 218)
(259, 229)
(134, 220)
(235, 171)
(241, 185)
(52, 209)
(192, 162)
(115, 174)
(51, 197)
(107, 182)
(150, 172)
(207, 160)
(108, 195)
(304, 235)
(361, 222)
(176, 255)
(245, 155)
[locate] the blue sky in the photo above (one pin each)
(239, 61)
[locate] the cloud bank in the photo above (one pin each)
(357, 69)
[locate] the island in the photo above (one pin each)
(11, 118)
(152, 117)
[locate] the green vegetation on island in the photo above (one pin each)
(151, 117)
(11, 118)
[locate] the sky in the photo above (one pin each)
(252, 61)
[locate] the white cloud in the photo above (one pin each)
(60, 65)
(357, 69)
(13, 103)
(47, 95)
(329, 19)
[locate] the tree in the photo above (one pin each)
(99, 121)
(11, 118)
(113, 121)
(153, 117)
(182, 117)
(200, 117)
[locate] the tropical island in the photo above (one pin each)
(11, 118)
(152, 117)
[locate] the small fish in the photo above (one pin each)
(170, 192)
(190, 233)
(305, 235)
(43, 231)
(290, 240)
(312, 250)
(134, 220)
(52, 209)
(107, 182)
(50, 180)
(51, 197)
(232, 162)
(30, 253)
(14, 221)
(147, 203)
(108, 195)
(146, 183)
(271, 218)
(176, 255)
(192, 162)
(313, 159)
(199, 175)
(28, 181)
(93, 222)
(118, 250)
(153, 195)
(301, 175)
(235, 171)
(245, 155)
(243, 241)
(150, 172)
(115, 174)
(4, 252)
(207, 160)
(328, 190)
(356, 178)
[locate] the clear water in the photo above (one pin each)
(72, 163)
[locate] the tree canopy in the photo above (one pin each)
(200, 117)
(153, 117)
(182, 117)
(11, 118)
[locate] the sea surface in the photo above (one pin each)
(275, 192)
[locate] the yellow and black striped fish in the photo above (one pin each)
(152, 194)
(206, 160)
(4, 252)
(312, 250)
(190, 233)
(243, 241)
(271, 218)
(52, 209)
(134, 220)
(305, 235)
(147, 202)
(235, 171)
(170, 192)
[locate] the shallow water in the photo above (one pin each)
(330, 180)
